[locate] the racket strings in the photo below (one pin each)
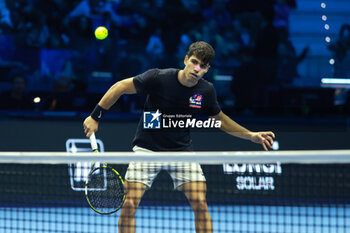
(105, 190)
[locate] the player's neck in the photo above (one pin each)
(183, 80)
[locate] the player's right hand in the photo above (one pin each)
(90, 126)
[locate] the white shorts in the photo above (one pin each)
(146, 172)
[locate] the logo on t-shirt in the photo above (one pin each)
(196, 101)
(151, 120)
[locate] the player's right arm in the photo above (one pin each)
(125, 86)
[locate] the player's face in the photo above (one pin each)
(194, 69)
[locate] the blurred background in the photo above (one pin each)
(280, 65)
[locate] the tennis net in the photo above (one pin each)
(280, 191)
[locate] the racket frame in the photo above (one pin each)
(94, 147)
(118, 176)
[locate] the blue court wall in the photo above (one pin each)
(294, 134)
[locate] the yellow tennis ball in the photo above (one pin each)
(101, 33)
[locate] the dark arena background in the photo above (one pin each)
(280, 65)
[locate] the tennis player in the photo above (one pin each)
(170, 92)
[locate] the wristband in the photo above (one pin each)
(98, 113)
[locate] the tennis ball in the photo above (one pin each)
(101, 33)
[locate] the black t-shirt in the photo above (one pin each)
(165, 93)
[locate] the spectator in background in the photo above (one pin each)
(55, 12)
(106, 13)
(210, 32)
(191, 6)
(341, 53)
(105, 52)
(241, 34)
(8, 59)
(16, 98)
(155, 48)
(281, 16)
(229, 43)
(218, 12)
(61, 98)
(18, 20)
(94, 12)
(88, 8)
(37, 36)
(243, 85)
(265, 56)
(267, 40)
(288, 60)
(29, 24)
(5, 18)
(175, 22)
(69, 24)
(80, 32)
(185, 41)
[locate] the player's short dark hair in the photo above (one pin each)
(202, 51)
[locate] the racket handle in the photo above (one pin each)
(93, 142)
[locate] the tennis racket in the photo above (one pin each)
(104, 187)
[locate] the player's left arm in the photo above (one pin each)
(233, 128)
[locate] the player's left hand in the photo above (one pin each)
(263, 138)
